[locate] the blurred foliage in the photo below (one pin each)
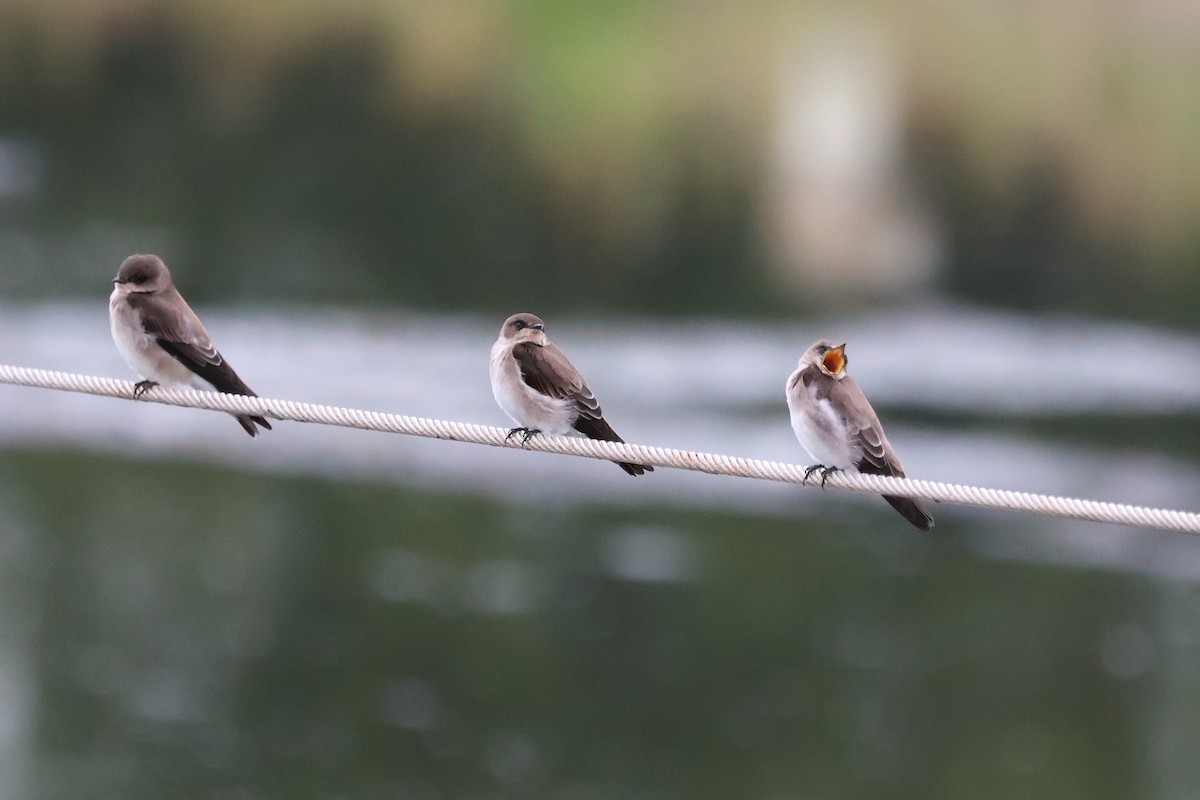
(334, 191)
(529, 154)
(208, 632)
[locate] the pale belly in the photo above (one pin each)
(821, 432)
(526, 407)
(143, 355)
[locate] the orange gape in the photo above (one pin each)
(834, 361)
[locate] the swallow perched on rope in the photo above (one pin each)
(839, 429)
(162, 339)
(540, 389)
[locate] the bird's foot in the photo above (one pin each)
(826, 472)
(141, 387)
(526, 434)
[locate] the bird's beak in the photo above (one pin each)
(118, 279)
(835, 359)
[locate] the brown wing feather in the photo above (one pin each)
(169, 317)
(546, 369)
(876, 454)
(866, 432)
(183, 336)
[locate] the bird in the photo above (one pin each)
(839, 429)
(542, 391)
(163, 341)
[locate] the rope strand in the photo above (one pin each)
(294, 411)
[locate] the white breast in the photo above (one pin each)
(526, 407)
(141, 352)
(819, 428)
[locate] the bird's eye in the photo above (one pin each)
(822, 349)
(519, 324)
(139, 278)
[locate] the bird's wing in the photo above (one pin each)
(545, 369)
(876, 456)
(180, 332)
(865, 431)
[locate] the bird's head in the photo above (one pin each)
(142, 274)
(827, 357)
(521, 328)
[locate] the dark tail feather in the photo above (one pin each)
(238, 386)
(220, 375)
(911, 510)
(248, 422)
(598, 428)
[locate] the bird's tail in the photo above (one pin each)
(248, 423)
(598, 428)
(911, 510)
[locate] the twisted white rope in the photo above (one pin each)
(1093, 510)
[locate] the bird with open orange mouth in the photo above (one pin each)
(839, 429)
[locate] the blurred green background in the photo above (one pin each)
(649, 156)
(174, 625)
